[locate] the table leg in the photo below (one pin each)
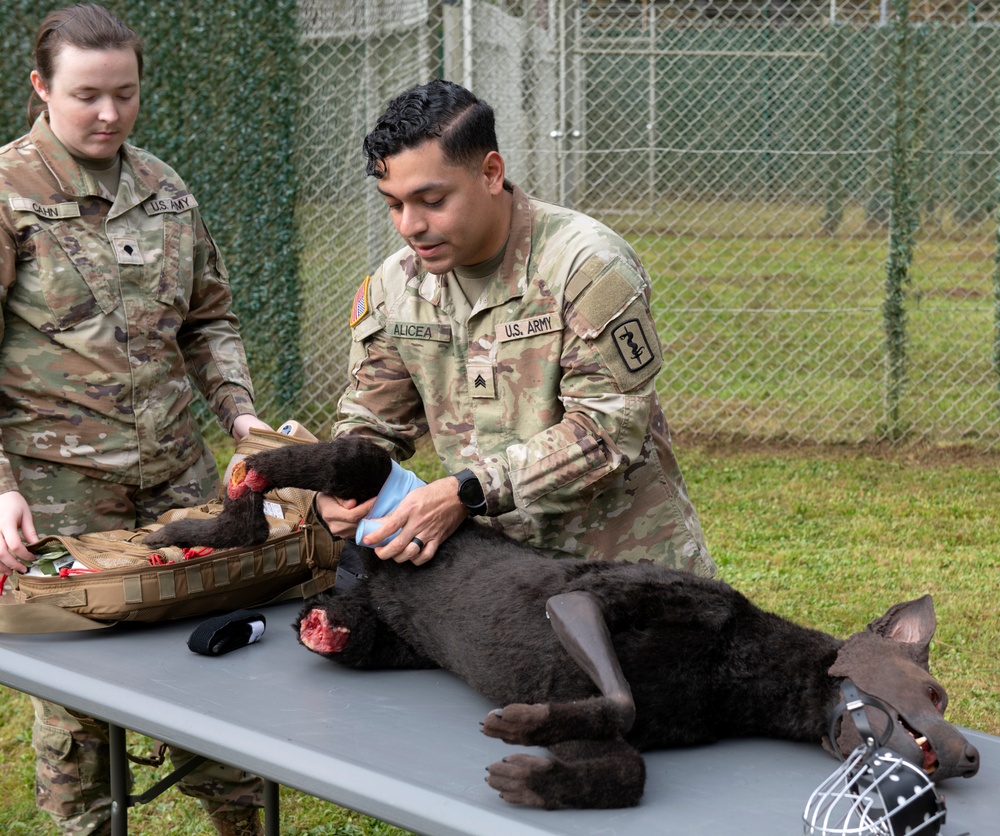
(121, 799)
(271, 815)
(119, 781)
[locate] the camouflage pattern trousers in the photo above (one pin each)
(72, 754)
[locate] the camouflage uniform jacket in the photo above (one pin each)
(106, 309)
(546, 391)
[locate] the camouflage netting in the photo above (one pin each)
(218, 105)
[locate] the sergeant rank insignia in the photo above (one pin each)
(361, 307)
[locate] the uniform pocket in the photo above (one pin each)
(76, 274)
(578, 466)
(72, 765)
(56, 772)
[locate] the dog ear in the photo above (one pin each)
(912, 623)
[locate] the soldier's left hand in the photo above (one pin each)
(244, 423)
(425, 518)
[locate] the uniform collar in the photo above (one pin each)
(67, 171)
(514, 271)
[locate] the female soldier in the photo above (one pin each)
(113, 293)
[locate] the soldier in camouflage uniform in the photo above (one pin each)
(518, 335)
(112, 292)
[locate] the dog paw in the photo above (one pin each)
(160, 537)
(517, 723)
(512, 776)
(182, 533)
(319, 635)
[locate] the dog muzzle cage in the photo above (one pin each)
(874, 792)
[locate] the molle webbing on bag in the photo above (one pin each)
(125, 580)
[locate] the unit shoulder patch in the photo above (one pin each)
(630, 347)
(635, 349)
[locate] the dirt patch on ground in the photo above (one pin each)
(920, 453)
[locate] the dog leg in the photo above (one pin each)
(544, 724)
(348, 467)
(240, 523)
(581, 773)
(579, 623)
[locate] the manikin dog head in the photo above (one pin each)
(888, 671)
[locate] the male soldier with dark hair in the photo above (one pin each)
(518, 334)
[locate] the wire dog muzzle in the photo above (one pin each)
(875, 791)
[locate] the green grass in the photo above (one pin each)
(828, 536)
(833, 537)
(784, 337)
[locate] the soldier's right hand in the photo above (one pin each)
(15, 522)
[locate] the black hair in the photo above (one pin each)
(440, 109)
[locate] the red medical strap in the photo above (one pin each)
(157, 559)
(66, 572)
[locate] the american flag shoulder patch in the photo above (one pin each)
(361, 307)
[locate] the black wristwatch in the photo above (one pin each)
(470, 492)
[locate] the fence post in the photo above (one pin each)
(902, 221)
(996, 310)
(838, 82)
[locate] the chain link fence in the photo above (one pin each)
(812, 186)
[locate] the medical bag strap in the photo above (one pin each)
(39, 617)
(45, 618)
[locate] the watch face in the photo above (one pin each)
(471, 492)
